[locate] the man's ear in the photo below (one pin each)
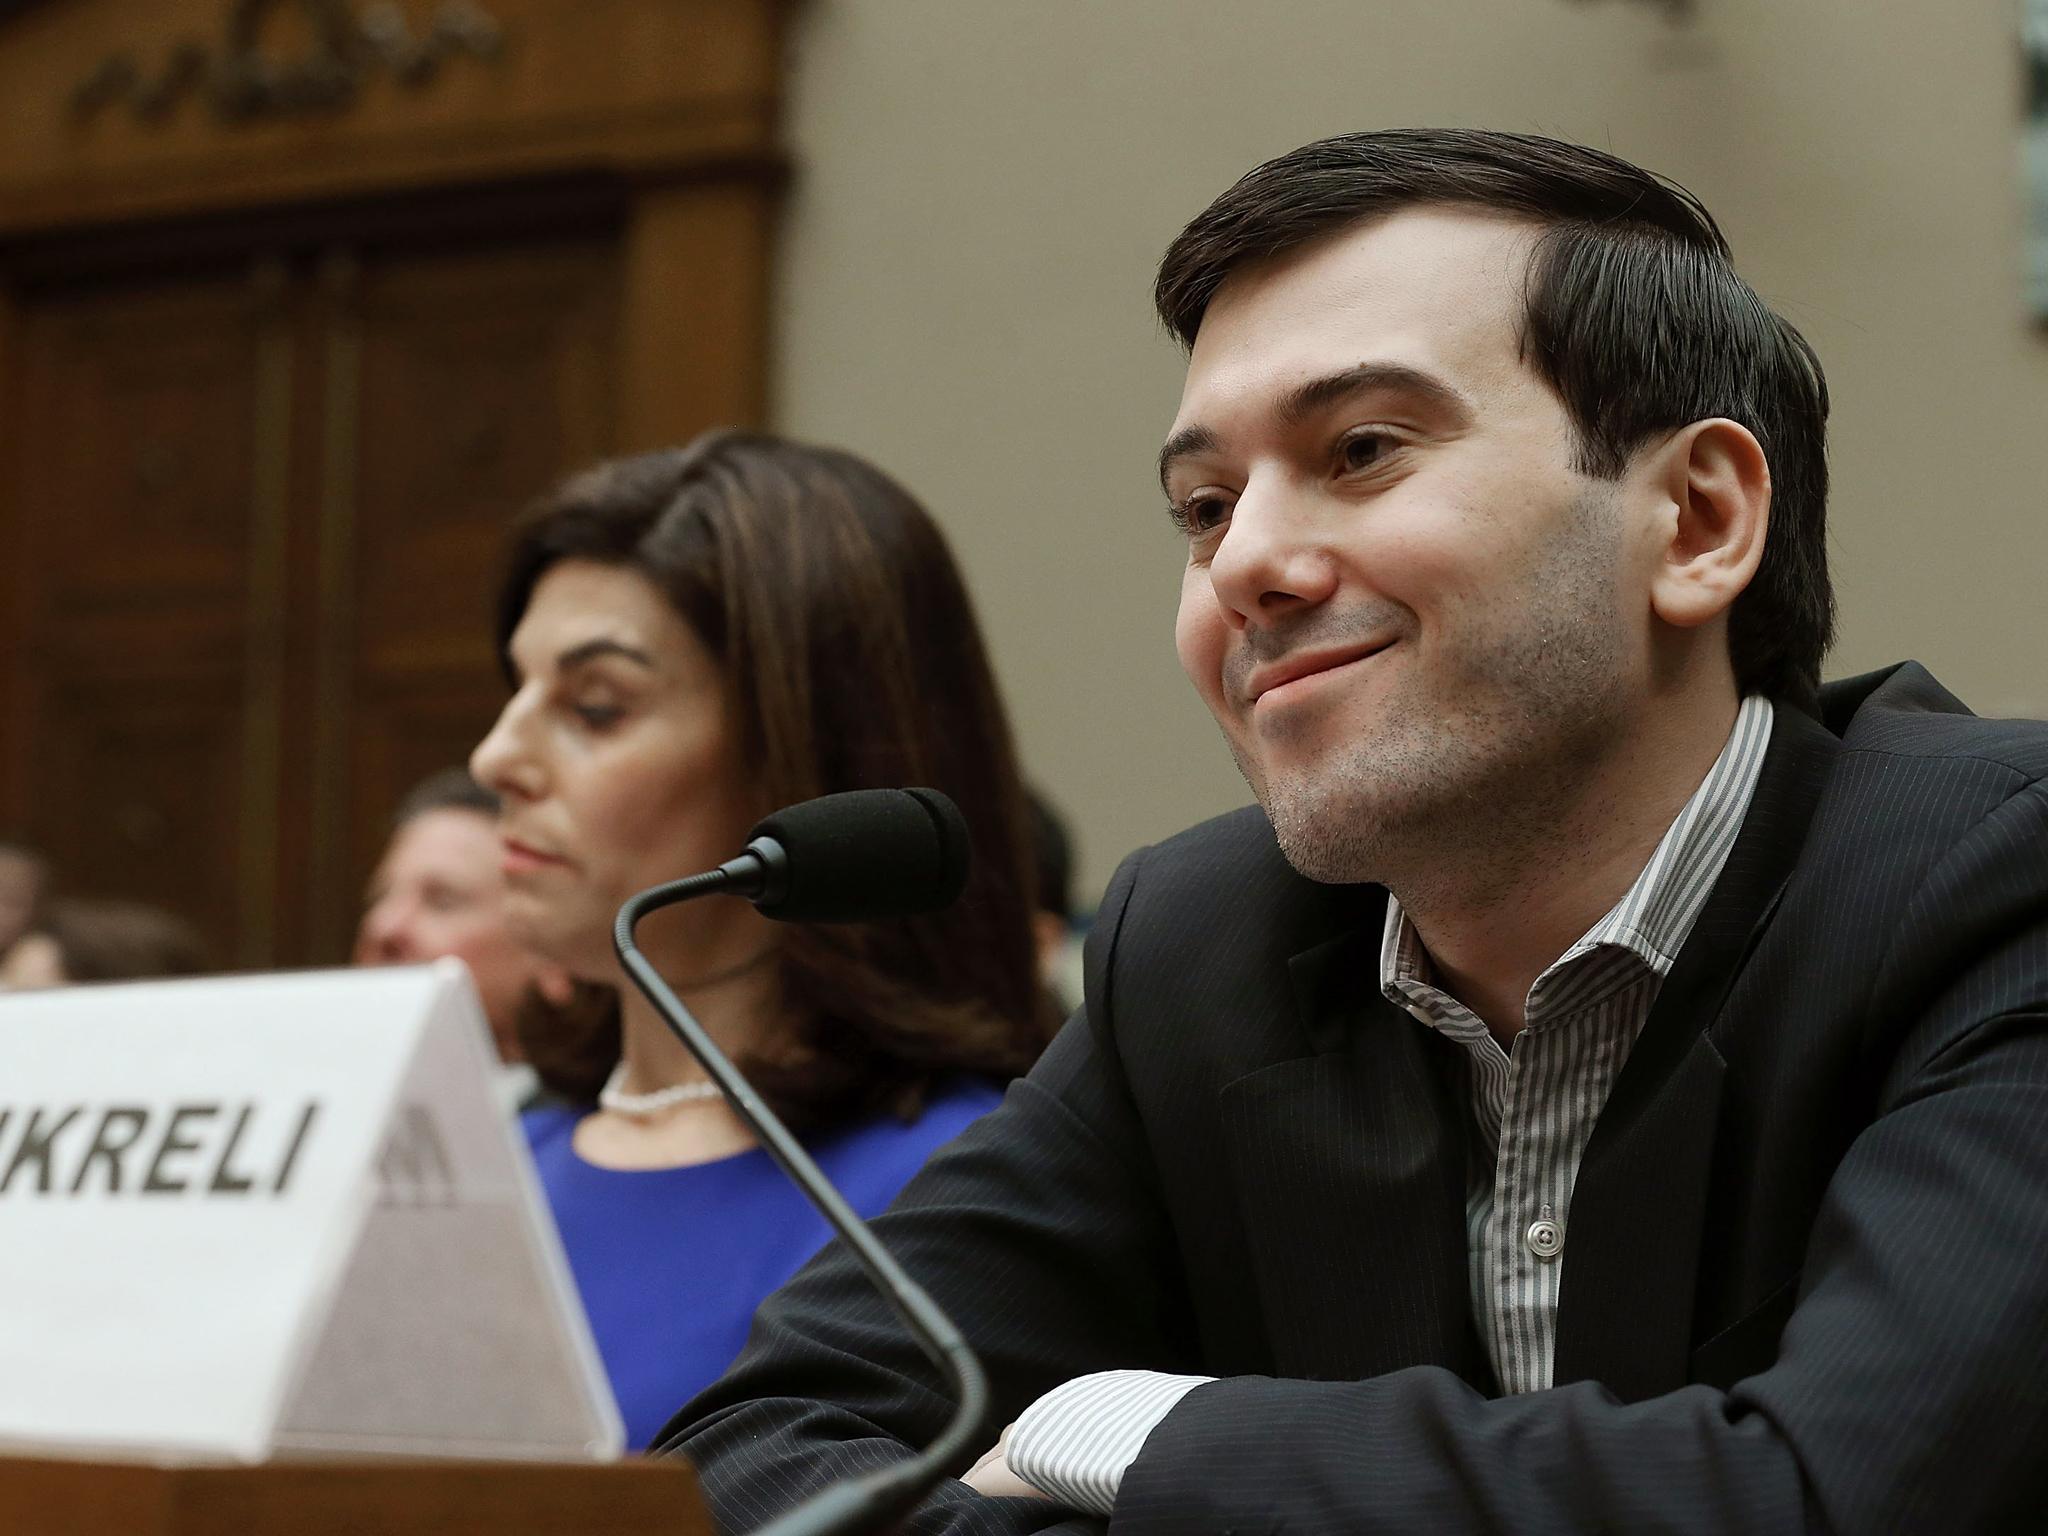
(1719, 486)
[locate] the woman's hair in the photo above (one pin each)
(852, 660)
(32, 891)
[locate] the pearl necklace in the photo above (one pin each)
(642, 1106)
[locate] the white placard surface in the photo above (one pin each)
(263, 1215)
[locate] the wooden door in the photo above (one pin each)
(292, 318)
(260, 510)
(150, 481)
(474, 379)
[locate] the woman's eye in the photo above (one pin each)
(1363, 450)
(598, 716)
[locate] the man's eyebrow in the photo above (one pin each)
(1188, 440)
(1304, 400)
(590, 650)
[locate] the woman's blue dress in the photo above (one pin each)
(672, 1262)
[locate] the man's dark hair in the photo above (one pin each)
(445, 789)
(1633, 315)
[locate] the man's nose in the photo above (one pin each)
(385, 936)
(1273, 558)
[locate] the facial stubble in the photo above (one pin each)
(1477, 756)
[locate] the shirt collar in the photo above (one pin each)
(1656, 913)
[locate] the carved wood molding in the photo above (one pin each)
(241, 80)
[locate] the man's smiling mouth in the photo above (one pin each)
(1277, 680)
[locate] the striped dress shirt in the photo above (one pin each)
(1534, 1106)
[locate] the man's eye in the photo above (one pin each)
(1202, 512)
(1363, 450)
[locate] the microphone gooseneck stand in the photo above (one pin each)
(871, 1501)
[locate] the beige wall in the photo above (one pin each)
(984, 186)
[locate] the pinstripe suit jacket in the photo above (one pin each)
(1807, 1287)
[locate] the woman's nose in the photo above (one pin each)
(500, 762)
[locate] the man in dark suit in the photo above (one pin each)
(1604, 1086)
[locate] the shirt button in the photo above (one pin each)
(1545, 1237)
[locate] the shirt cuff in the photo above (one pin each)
(1075, 1443)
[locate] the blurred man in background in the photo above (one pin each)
(439, 891)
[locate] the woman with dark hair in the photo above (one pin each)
(695, 638)
(24, 885)
(83, 939)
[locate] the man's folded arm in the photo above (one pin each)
(1075, 1443)
(1039, 1231)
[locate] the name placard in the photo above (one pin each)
(273, 1214)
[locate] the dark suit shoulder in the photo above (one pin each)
(1911, 775)
(1903, 712)
(1921, 862)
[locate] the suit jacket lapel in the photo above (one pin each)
(1632, 1253)
(1350, 1171)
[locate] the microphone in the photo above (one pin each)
(859, 856)
(855, 857)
